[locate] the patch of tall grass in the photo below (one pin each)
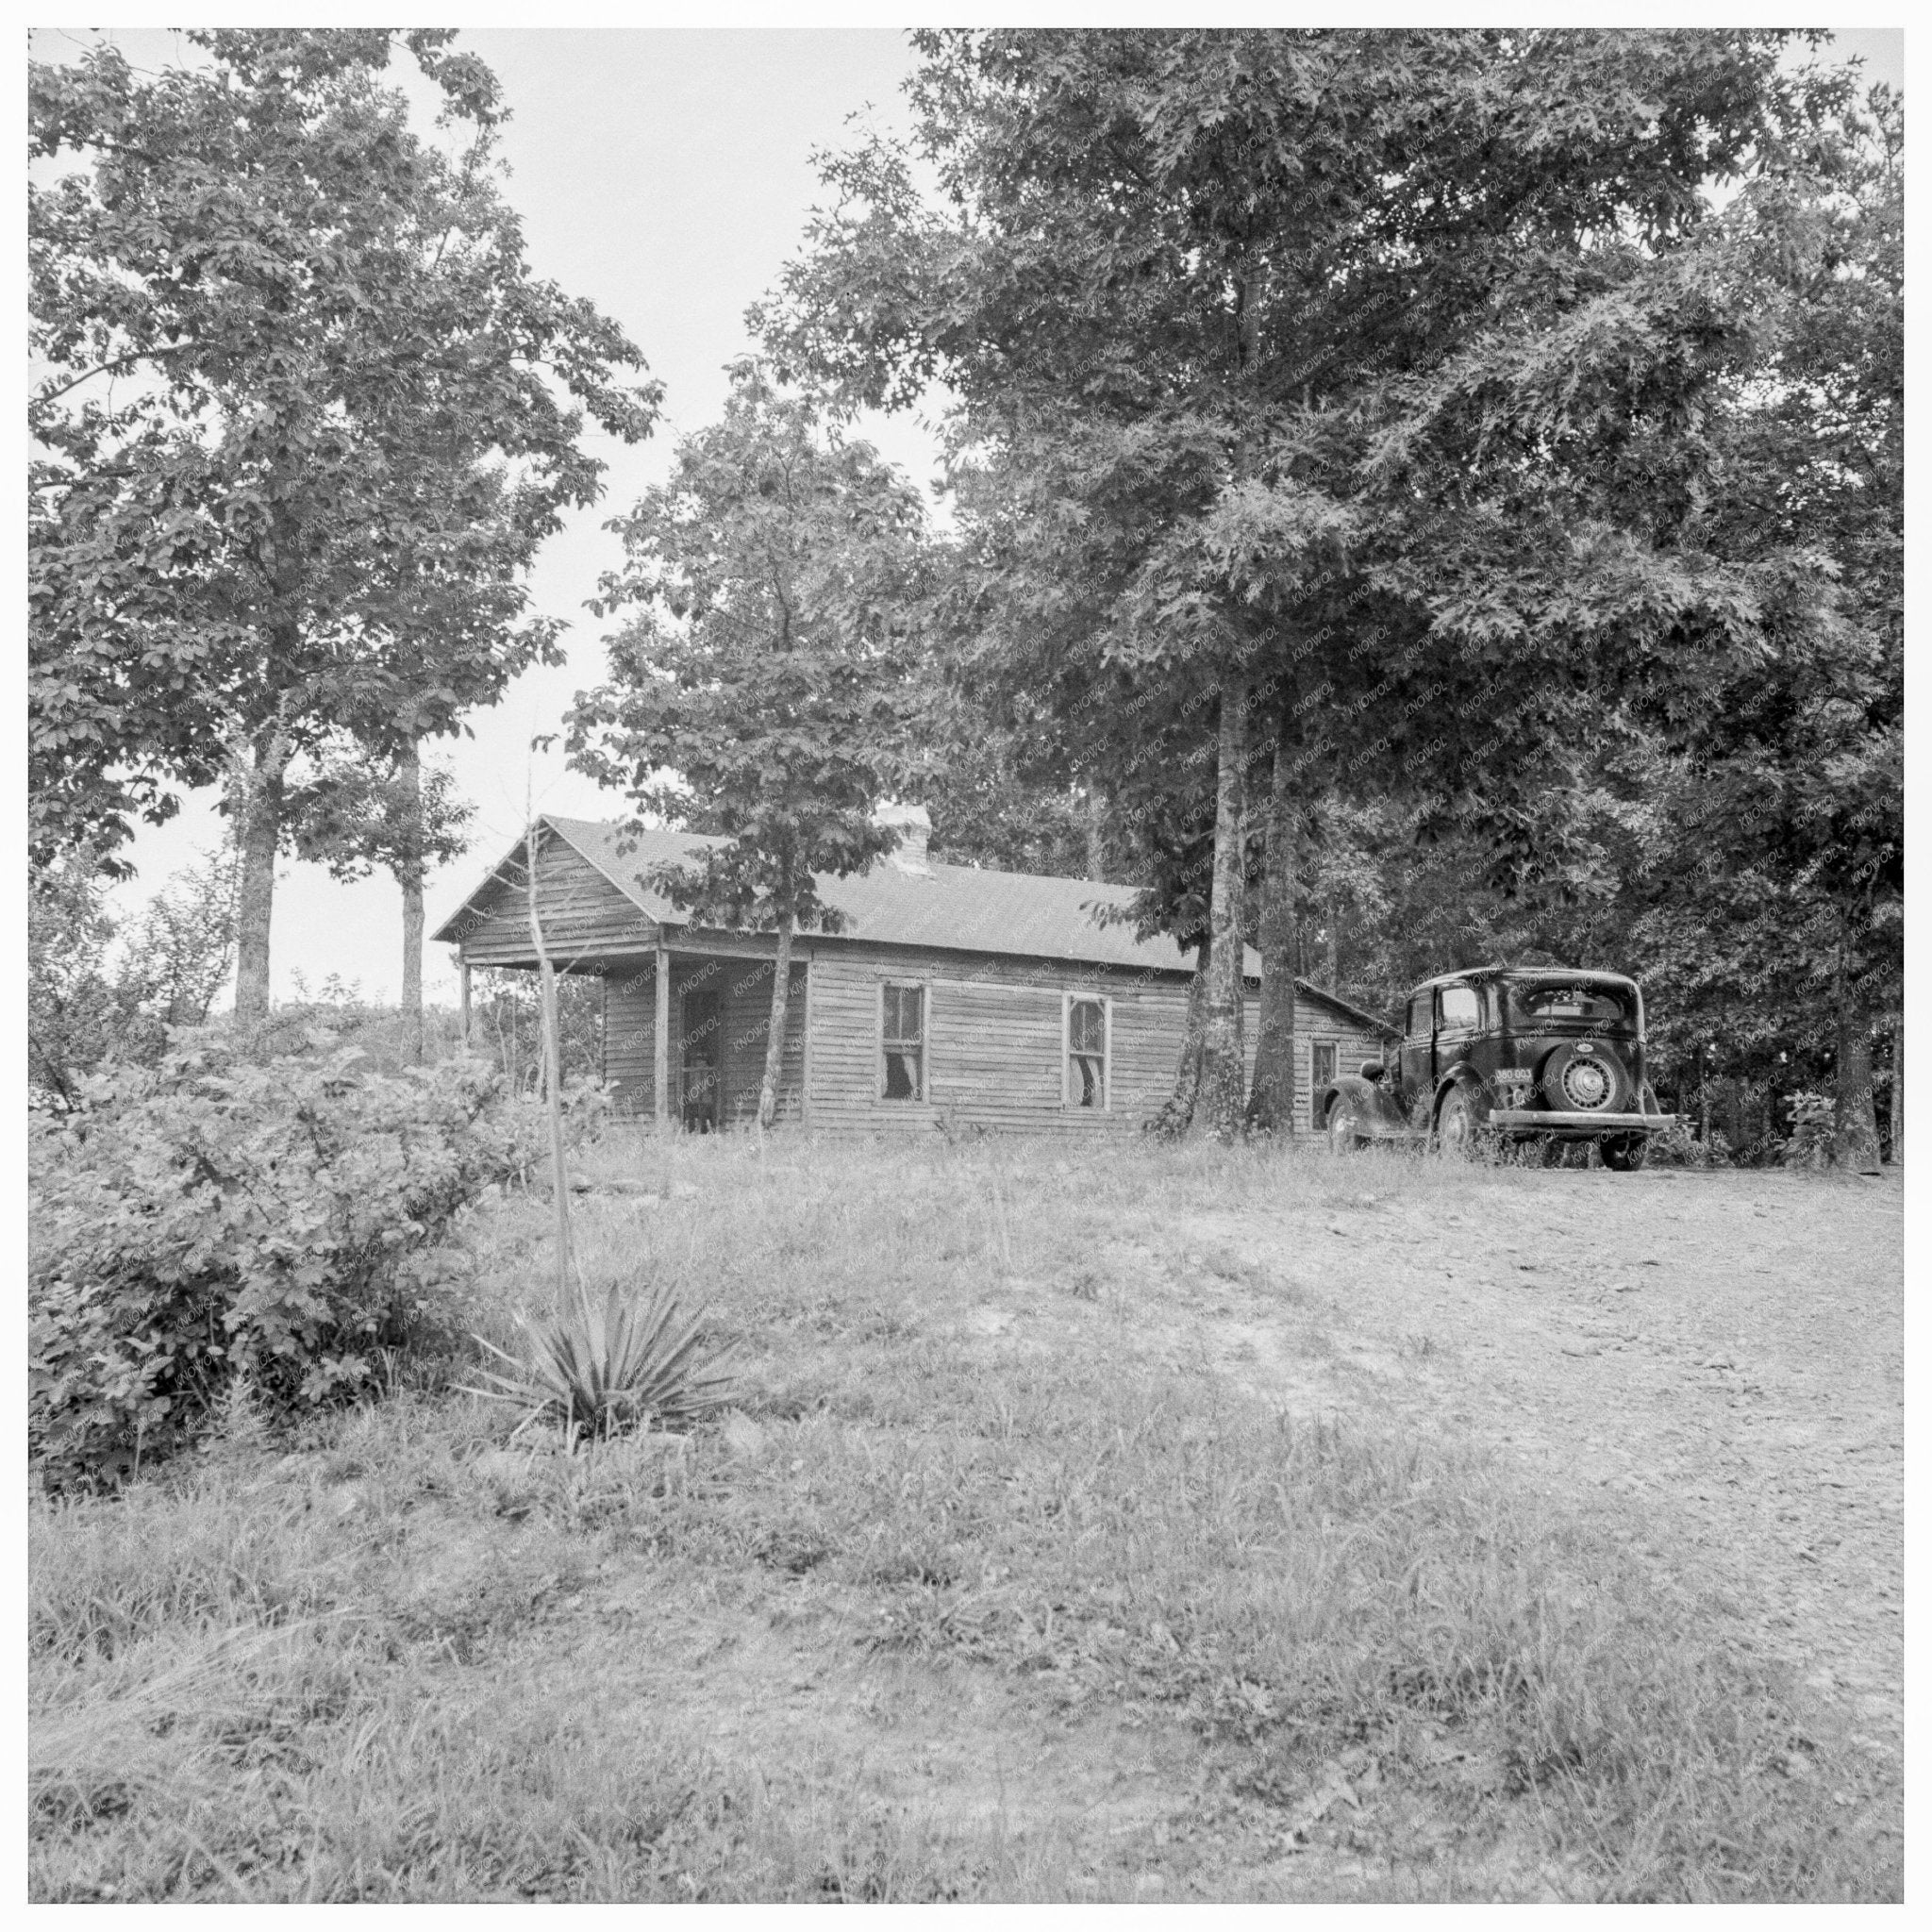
(368, 1667)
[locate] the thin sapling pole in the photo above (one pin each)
(553, 1071)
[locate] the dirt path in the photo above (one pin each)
(1725, 1349)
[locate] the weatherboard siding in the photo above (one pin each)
(744, 1006)
(994, 1047)
(584, 917)
(993, 1041)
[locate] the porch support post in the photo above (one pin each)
(463, 975)
(660, 1042)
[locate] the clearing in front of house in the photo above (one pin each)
(1109, 1522)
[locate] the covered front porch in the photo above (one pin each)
(685, 1025)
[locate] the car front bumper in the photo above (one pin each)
(1546, 1120)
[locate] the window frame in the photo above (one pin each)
(1070, 998)
(1443, 1023)
(923, 988)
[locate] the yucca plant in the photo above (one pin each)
(603, 1368)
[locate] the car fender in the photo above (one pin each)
(1464, 1075)
(1370, 1099)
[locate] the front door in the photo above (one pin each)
(699, 1067)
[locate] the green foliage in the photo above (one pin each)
(780, 568)
(106, 989)
(1814, 1131)
(506, 1025)
(78, 1010)
(989, 808)
(1360, 378)
(213, 1216)
(356, 810)
(602, 1368)
(302, 415)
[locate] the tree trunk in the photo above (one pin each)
(1177, 1112)
(1223, 1073)
(775, 1034)
(1096, 840)
(260, 839)
(1856, 1121)
(1898, 1090)
(409, 875)
(1334, 953)
(1271, 1097)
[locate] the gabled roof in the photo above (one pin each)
(961, 908)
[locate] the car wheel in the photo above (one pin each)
(1458, 1121)
(1623, 1153)
(1343, 1137)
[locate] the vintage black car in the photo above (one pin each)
(1518, 1052)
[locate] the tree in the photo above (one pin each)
(102, 989)
(763, 691)
(355, 812)
(994, 804)
(1799, 773)
(1354, 375)
(181, 951)
(304, 418)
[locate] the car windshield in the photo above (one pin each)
(1595, 1005)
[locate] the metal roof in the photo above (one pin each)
(959, 907)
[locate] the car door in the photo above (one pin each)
(1417, 1069)
(1457, 1017)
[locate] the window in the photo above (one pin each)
(902, 1043)
(1085, 1083)
(1419, 1017)
(1458, 1008)
(1321, 1072)
(1601, 1005)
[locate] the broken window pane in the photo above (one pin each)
(1087, 1053)
(902, 1042)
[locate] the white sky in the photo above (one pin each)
(664, 175)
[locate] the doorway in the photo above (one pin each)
(701, 1060)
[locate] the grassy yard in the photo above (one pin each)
(1010, 1575)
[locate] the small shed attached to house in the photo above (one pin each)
(950, 993)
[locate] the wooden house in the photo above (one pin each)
(950, 994)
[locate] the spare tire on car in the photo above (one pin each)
(1579, 1079)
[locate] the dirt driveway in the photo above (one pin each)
(1723, 1349)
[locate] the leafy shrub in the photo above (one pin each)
(101, 988)
(1679, 1146)
(212, 1217)
(1814, 1129)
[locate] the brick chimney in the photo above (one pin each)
(915, 825)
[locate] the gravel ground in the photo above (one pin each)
(1724, 1349)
